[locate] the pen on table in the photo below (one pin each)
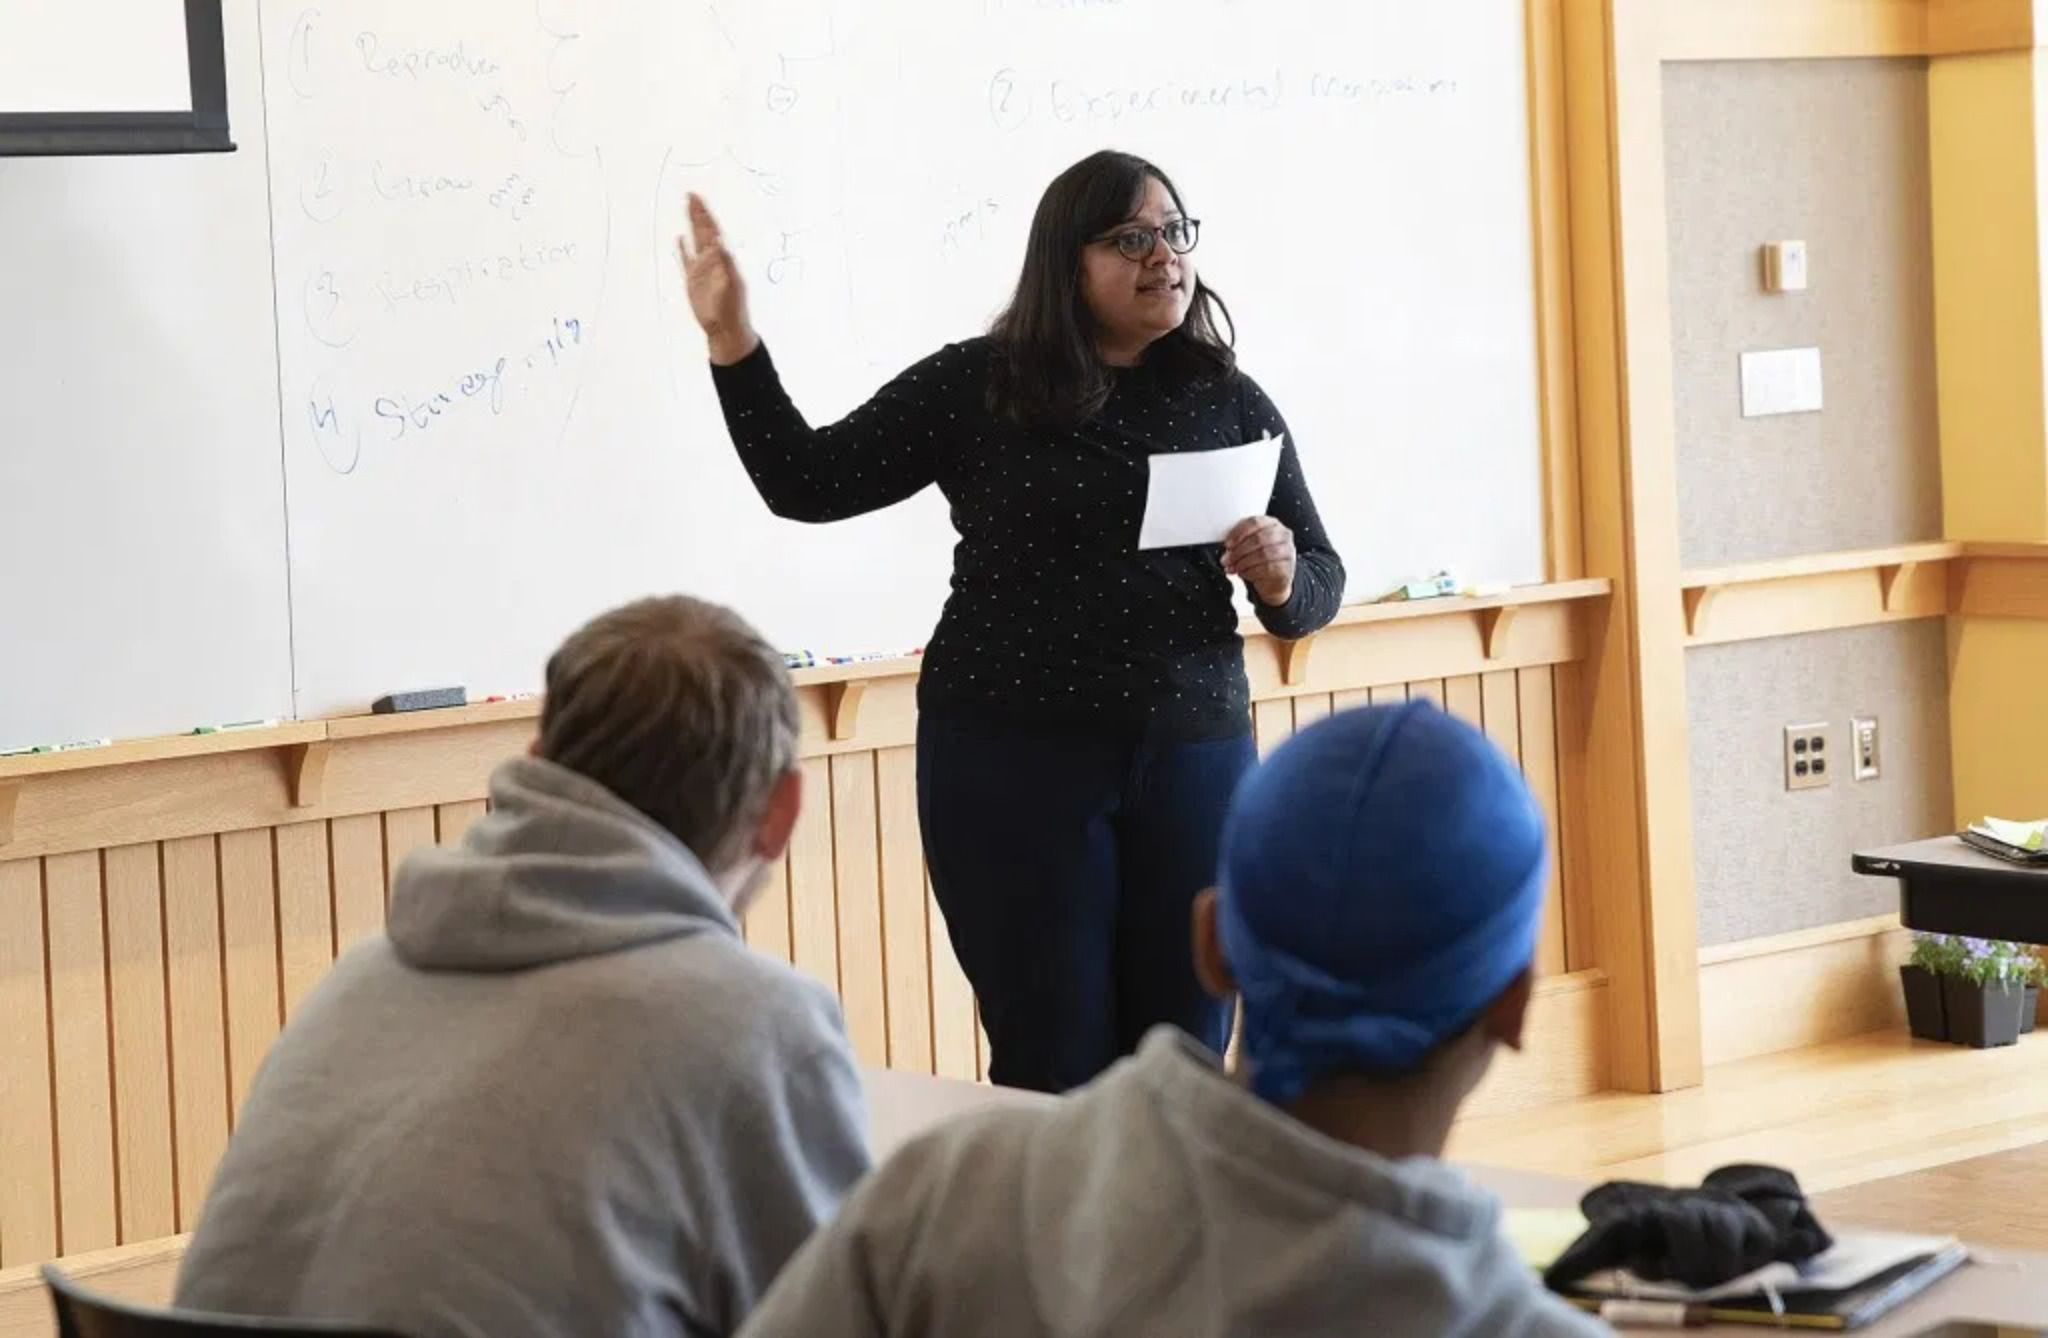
(235, 725)
(1641, 1314)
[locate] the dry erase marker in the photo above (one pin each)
(866, 657)
(71, 747)
(514, 697)
(1640, 1314)
(235, 725)
(799, 659)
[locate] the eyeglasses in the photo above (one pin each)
(1137, 243)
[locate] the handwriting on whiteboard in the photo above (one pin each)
(452, 281)
(1015, 99)
(381, 58)
(401, 412)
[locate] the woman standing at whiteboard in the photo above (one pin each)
(1084, 714)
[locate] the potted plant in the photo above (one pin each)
(1982, 998)
(2033, 971)
(1935, 956)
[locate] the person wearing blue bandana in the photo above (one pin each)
(1376, 913)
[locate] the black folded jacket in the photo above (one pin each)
(1738, 1220)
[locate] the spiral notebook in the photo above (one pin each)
(1864, 1277)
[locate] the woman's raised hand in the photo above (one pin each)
(1261, 550)
(718, 295)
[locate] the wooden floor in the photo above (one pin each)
(1847, 1114)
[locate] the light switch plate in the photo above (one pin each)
(1785, 267)
(1781, 381)
(1863, 744)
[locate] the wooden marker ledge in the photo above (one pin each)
(1485, 624)
(870, 704)
(1832, 591)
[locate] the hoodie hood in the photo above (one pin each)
(560, 868)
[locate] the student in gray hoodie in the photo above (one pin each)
(1381, 885)
(559, 1095)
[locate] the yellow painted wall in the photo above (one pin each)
(1986, 135)
(1998, 670)
(1987, 267)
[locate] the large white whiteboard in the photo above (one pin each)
(495, 413)
(142, 544)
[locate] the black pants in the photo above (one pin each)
(1066, 867)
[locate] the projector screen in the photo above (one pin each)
(112, 77)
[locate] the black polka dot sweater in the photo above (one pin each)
(1056, 617)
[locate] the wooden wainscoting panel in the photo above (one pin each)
(857, 905)
(767, 925)
(249, 956)
(1795, 991)
(1565, 1052)
(1462, 699)
(199, 1052)
(305, 910)
(28, 1144)
(1500, 711)
(139, 1014)
(452, 820)
(813, 896)
(356, 853)
(405, 830)
(1308, 710)
(909, 955)
(1272, 724)
(1536, 741)
(81, 1053)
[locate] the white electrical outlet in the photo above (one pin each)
(1863, 744)
(1808, 765)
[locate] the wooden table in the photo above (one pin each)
(1948, 887)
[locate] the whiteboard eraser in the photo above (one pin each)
(427, 699)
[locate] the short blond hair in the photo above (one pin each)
(681, 709)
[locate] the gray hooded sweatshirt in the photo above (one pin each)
(558, 1096)
(1164, 1199)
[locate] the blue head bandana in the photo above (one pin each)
(1382, 883)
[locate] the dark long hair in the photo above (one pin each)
(1048, 369)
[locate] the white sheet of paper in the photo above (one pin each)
(1198, 497)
